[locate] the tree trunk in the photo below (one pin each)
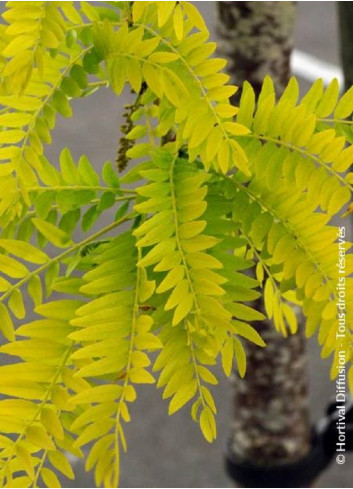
(345, 17)
(345, 21)
(271, 423)
(257, 39)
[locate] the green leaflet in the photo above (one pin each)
(7, 328)
(23, 250)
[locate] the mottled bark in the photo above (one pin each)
(256, 38)
(345, 19)
(271, 419)
(345, 16)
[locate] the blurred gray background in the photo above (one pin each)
(168, 451)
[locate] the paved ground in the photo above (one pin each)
(169, 452)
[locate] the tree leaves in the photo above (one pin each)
(60, 462)
(182, 397)
(207, 424)
(56, 236)
(49, 478)
(24, 250)
(6, 324)
(39, 437)
(12, 268)
(329, 100)
(238, 189)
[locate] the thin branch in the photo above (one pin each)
(66, 253)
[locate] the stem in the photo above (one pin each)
(181, 251)
(263, 263)
(303, 152)
(135, 313)
(335, 121)
(54, 87)
(39, 468)
(98, 188)
(38, 412)
(101, 83)
(194, 361)
(66, 253)
(177, 238)
(287, 225)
